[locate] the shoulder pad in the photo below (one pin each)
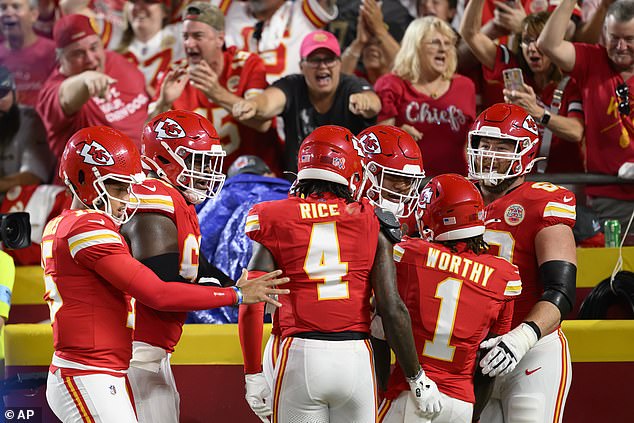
(390, 225)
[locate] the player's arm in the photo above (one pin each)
(551, 40)
(482, 384)
(264, 106)
(398, 330)
(153, 240)
(208, 270)
(557, 260)
(250, 330)
(482, 47)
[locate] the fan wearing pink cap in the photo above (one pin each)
(319, 96)
(90, 87)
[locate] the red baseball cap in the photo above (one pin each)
(319, 39)
(72, 28)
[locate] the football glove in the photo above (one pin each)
(507, 350)
(426, 395)
(258, 395)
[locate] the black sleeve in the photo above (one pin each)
(165, 266)
(208, 270)
(290, 86)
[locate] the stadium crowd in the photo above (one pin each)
(349, 105)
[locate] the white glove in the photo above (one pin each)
(507, 350)
(258, 395)
(626, 171)
(426, 395)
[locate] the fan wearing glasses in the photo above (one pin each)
(562, 117)
(604, 75)
(319, 96)
(25, 158)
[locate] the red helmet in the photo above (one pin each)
(331, 153)
(391, 152)
(94, 155)
(184, 149)
(450, 208)
(505, 122)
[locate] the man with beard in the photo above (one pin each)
(603, 74)
(29, 57)
(213, 80)
(274, 29)
(91, 87)
(318, 96)
(530, 225)
(24, 155)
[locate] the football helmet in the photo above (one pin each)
(393, 169)
(504, 122)
(184, 150)
(450, 208)
(97, 155)
(331, 153)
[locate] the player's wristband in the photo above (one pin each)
(239, 295)
(536, 328)
(413, 379)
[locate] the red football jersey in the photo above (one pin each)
(608, 133)
(512, 223)
(91, 323)
(454, 301)
(161, 328)
(243, 76)
(564, 156)
(443, 121)
(125, 110)
(326, 247)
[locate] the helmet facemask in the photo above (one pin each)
(201, 176)
(402, 204)
(485, 163)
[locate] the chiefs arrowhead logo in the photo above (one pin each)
(425, 198)
(370, 143)
(358, 146)
(95, 154)
(530, 125)
(169, 128)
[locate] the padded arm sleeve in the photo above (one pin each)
(560, 284)
(208, 270)
(165, 266)
(132, 277)
(250, 320)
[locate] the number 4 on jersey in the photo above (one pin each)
(323, 261)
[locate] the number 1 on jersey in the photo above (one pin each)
(323, 261)
(449, 293)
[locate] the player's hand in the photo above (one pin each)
(258, 289)
(426, 395)
(244, 110)
(173, 85)
(359, 104)
(626, 171)
(203, 77)
(507, 350)
(98, 84)
(258, 395)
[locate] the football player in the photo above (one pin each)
(455, 294)
(335, 253)
(88, 270)
(393, 172)
(530, 225)
(183, 151)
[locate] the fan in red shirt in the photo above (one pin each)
(213, 80)
(456, 296)
(91, 87)
(88, 270)
(427, 99)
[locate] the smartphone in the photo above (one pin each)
(513, 79)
